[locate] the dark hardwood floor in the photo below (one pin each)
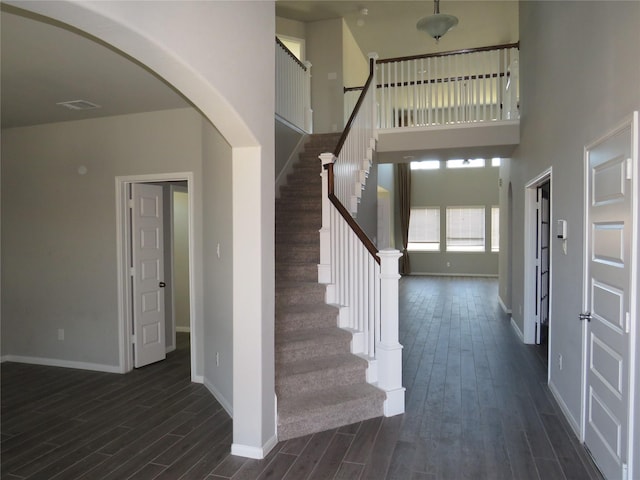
(477, 408)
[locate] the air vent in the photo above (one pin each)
(78, 105)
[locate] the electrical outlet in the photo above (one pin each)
(217, 359)
(559, 362)
(61, 334)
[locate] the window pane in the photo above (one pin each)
(426, 165)
(424, 229)
(495, 162)
(495, 229)
(465, 229)
(471, 163)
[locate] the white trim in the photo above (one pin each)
(183, 329)
(437, 274)
(254, 452)
(565, 411)
(57, 362)
(218, 396)
(528, 315)
(517, 329)
(121, 183)
(503, 306)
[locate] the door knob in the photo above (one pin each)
(162, 284)
(585, 316)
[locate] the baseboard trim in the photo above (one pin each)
(183, 329)
(565, 410)
(517, 330)
(57, 362)
(257, 453)
(219, 397)
(503, 306)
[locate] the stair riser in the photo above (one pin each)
(299, 298)
(295, 254)
(315, 381)
(352, 412)
(305, 223)
(296, 273)
(292, 354)
(289, 236)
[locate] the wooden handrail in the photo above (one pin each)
(433, 80)
(451, 52)
(290, 53)
(356, 109)
(362, 236)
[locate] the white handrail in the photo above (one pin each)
(293, 89)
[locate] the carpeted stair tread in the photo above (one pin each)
(311, 337)
(312, 374)
(295, 317)
(333, 407)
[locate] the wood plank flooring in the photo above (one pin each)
(477, 407)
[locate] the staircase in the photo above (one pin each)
(320, 385)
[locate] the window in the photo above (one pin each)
(469, 163)
(465, 229)
(426, 165)
(424, 229)
(495, 229)
(495, 162)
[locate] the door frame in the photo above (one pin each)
(634, 288)
(122, 247)
(528, 311)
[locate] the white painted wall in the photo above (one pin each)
(324, 51)
(575, 85)
(355, 63)
(221, 83)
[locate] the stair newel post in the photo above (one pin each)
(324, 267)
(389, 349)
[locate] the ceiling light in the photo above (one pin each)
(437, 24)
(78, 105)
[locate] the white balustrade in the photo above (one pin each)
(477, 86)
(293, 89)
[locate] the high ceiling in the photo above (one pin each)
(44, 63)
(389, 27)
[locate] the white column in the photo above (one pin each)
(388, 349)
(324, 267)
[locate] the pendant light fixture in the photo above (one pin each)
(438, 24)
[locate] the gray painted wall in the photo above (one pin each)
(580, 77)
(59, 233)
(464, 187)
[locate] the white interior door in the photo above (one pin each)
(608, 286)
(147, 274)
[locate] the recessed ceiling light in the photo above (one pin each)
(78, 105)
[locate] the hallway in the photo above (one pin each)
(477, 407)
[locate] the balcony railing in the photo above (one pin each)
(463, 86)
(293, 89)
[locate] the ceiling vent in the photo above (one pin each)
(78, 105)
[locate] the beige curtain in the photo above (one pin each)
(404, 192)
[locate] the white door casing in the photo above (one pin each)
(147, 274)
(610, 275)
